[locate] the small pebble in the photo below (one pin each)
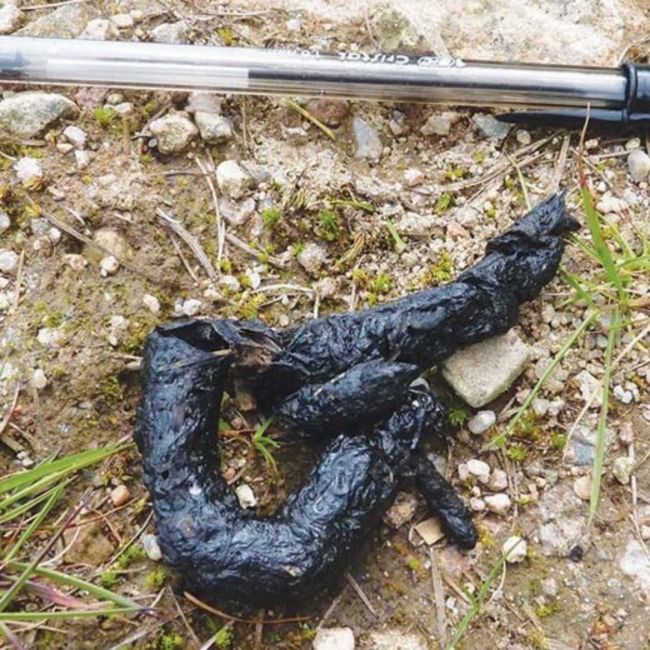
(39, 380)
(8, 261)
(622, 395)
(312, 257)
(5, 221)
(368, 146)
(645, 533)
(638, 163)
(481, 422)
(582, 488)
(329, 111)
(191, 307)
(524, 137)
(108, 266)
(479, 469)
(75, 136)
(293, 25)
(120, 495)
(75, 261)
(334, 638)
(122, 21)
(151, 547)
(515, 549)
(402, 510)
(82, 158)
(622, 469)
(29, 172)
(246, 496)
(232, 180)
(498, 481)
(477, 504)
(151, 303)
(498, 503)
(49, 337)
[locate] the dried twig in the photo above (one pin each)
(191, 242)
(439, 598)
(221, 226)
(242, 245)
(364, 599)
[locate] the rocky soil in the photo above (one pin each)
(123, 209)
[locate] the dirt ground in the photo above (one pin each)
(578, 587)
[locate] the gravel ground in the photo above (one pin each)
(293, 224)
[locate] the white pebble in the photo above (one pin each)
(246, 496)
(49, 337)
(498, 503)
(582, 488)
(151, 547)
(8, 261)
(82, 158)
(5, 221)
(477, 504)
(481, 422)
(638, 162)
(293, 25)
(75, 135)
(108, 266)
(622, 395)
(120, 495)
(334, 638)
(39, 380)
(122, 21)
(75, 261)
(191, 307)
(29, 172)
(515, 549)
(151, 303)
(498, 481)
(479, 468)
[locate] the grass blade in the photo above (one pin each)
(15, 617)
(94, 590)
(29, 531)
(65, 465)
(498, 440)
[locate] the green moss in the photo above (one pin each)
(414, 564)
(444, 203)
(328, 225)
(558, 440)
(104, 116)
(546, 609)
(491, 212)
(457, 416)
(225, 265)
(517, 453)
(132, 554)
(271, 217)
(154, 580)
(223, 638)
(109, 579)
(250, 308)
(227, 36)
(439, 272)
(110, 389)
(456, 173)
(171, 641)
(381, 284)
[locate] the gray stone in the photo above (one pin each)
(498, 481)
(394, 640)
(622, 469)
(65, 22)
(479, 469)
(214, 128)
(490, 127)
(367, 145)
(483, 371)
(123, 21)
(10, 18)
(312, 257)
(174, 132)
(8, 261)
(328, 110)
(582, 488)
(111, 240)
(99, 29)
(481, 422)
(440, 123)
(589, 386)
(203, 101)
(75, 135)
(581, 449)
(414, 224)
(151, 547)
(29, 114)
(334, 638)
(170, 32)
(397, 27)
(232, 180)
(562, 520)
(635, 563)
(236, 214)
(638, 162)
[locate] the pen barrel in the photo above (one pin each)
(393, 77)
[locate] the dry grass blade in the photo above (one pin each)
(178, 229)
(289, 103)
